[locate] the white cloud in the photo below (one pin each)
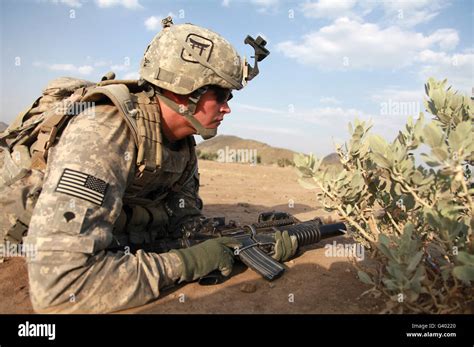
(458, 68)
(83, 69)
(101, 63)
(320, 127)
(129, 4)
(400, 12)
(91, 65)
(70, 3)
(396, 102)
(257, 108)
(329, 9)
(398, 94)
(264, 6)
(350, 44)
(97, 62)
(124, 69)
(328, 115)
(152, 23)
(335, 120)
(269, 129)
(415, 18)
(411, 13)
(124, 66)
(447, 39)
(318, 115)
(339, 117)
(131, 76)
(265, 3)
(329, 100)
(120, 67)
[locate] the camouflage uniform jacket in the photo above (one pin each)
(81, 214)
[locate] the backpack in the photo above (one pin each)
(24, 145)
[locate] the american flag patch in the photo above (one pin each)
(82, 186)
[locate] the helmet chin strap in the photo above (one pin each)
(188, 113)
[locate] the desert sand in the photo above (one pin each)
(312, 282)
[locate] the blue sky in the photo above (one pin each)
(330, 61)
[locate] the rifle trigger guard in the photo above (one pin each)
(256, 243)
(238, 250)
(252, 229)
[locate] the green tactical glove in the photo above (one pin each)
(201, 259)
(285, 246)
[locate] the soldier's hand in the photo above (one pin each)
(201, 259)
(285, 246)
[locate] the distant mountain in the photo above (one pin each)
(3, 126)
(224, 146)
(332, 163)
(331, 159)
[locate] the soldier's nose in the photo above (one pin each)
(225, 108)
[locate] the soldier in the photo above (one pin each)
(126, 174)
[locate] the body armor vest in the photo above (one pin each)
(158, 170)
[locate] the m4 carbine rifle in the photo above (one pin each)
(258, 239)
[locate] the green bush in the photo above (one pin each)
(207, 155)
(416, 221)
(285, 162)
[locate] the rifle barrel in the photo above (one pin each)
(311, 232)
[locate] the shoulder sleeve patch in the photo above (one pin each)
(69, 217)
(82, 186)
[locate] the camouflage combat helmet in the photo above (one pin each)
(186, 58)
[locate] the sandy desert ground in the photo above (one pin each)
(312, 283)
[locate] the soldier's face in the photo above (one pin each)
(212, 107)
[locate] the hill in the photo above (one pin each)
(226, 148)
(331, 159)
